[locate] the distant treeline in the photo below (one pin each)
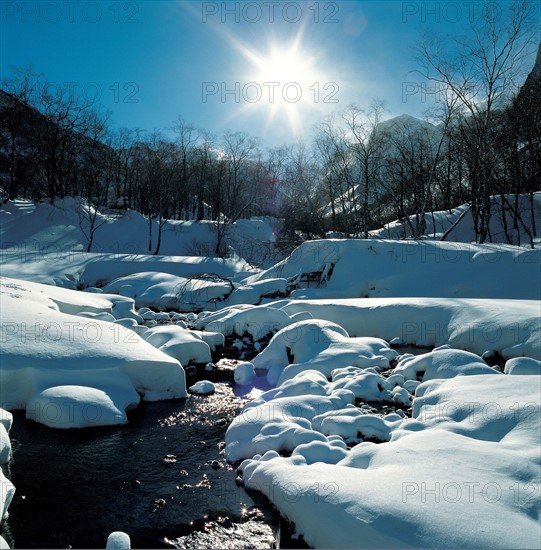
(356, 174)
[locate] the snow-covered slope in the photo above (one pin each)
(376, 268)
(457, 224)
(64, 228)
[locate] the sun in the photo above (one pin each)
(284, 80)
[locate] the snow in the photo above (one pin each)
(442, 363)
(458, 224)
(509, 326)
(244, 373)
(166, 291)
(463, 472)
(321, 346)
(45, 344)
(118, 540)
(203, 387)
(81, 407)
(280, 424)
(256, 321)
(7, 490)
(470, 459)
(523, 365)
(179, 343)
(375, 269)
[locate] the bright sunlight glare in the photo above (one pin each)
(284, 80)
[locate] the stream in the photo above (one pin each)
(161, 478)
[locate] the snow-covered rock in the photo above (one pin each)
(244, 373)
(46, 344)
(257, 321)
(82, 407)
(522, 365)
(442, 363)
(179, 343)
(319, 345)
(118, 540)
(203, 387)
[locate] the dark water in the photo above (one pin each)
(158, 478)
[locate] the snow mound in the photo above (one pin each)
(118, 540)
(244, 373)
(319, 345)
(442, 363)
(523, 365)
(463, 473)
(81, 407)
(166, 291)
(203, 387)
(257, 321)
(179, 343)
(281, 424)
(45, 344)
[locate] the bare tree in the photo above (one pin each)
(478, 70)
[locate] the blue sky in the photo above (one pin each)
(213, 62)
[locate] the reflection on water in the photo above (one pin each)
(156, 478)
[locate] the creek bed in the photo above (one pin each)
(161, 478)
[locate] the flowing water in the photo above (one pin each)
(161, 478)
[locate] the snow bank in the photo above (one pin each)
(511, 327)
(45, 344)
(373, 269)
(257, 321)
(56, 229)
(165, 291)
(464, 473)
